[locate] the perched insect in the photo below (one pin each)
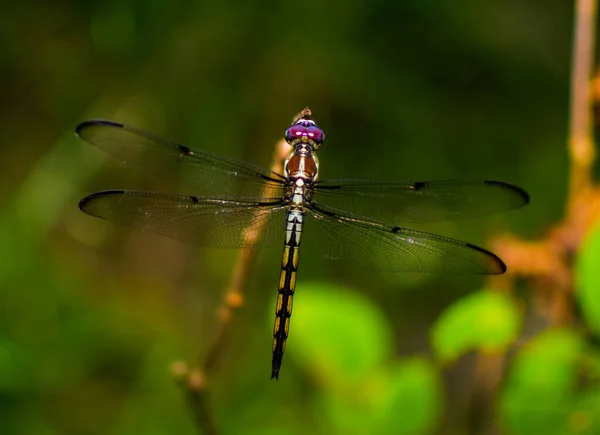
(233, 204)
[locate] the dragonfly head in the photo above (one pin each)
(304, 130)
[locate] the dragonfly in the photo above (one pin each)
(227, 203)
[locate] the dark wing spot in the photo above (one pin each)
(418, 185)
(395, 230)
(194, 199)
(524, 196)
(185, 150)
(80, 129)
(495, 265)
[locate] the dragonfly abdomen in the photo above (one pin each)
(286, 288)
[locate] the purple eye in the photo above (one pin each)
(315, 133)
(311, 131)
(293, 132)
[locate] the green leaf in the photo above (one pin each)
(413, 398)
(536, 398)
(587, 276)
(337, 333)
(485, 320)
(404, 398)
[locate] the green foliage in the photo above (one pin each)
(412, 402)
(486, 321)
(540, 394)
(342, 339)
(588, 279)
(338, 333)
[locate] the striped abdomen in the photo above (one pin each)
(286, 288)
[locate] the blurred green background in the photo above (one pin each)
(92, 315)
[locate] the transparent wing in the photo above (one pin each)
(210, 222)
(342, 236)
(200, 172)
(226, 223)
(427, 201)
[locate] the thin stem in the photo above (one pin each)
(547, 262)
(195, 381)
(581, 149)
(233, 295)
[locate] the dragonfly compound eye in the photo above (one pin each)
(311, 132)
(294, 132)
(315, 133)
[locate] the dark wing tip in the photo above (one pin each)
(80, 129)
(523, 197)
(495, 266)
(90, 203)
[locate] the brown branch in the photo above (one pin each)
(195, 381)
(547, 264)
(581, 149)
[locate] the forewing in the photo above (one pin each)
(427, 201)
(198, 172)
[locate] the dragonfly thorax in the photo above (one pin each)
(299, 195)
(302, 163)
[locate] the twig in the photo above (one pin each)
(581, 149)
(195, 381)
(547, 264)
(548, 261)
